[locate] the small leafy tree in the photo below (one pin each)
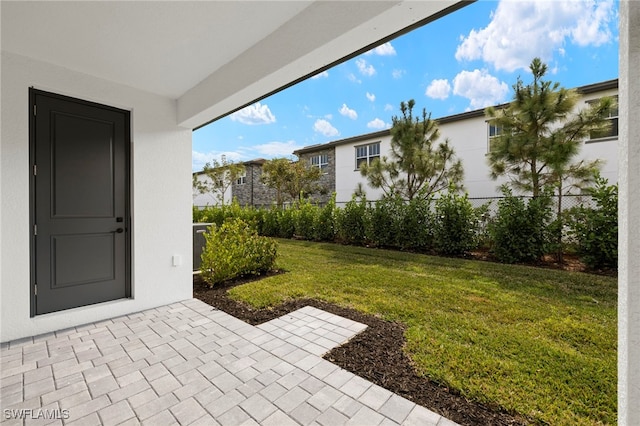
(303, 180)
(290, 178)
(417, 166)
(220, 176)
(274, 175)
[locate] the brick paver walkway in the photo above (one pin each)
(188, 363)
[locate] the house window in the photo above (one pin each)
(494, 131)
(242, 179)
(365, 154)
(612, 132)
(321, 161)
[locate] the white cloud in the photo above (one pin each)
(371, 96)
(438, 89)
(520, 31)
(481, 88)
(323, 74)
(254, 114)
(276, 149)
(383, 50)
(325, 128)
(348, 112)
(364, 68)
(329, 116)
(397, 73)
(199, 159)
(353, 78)
(388, 107)
(377, 124)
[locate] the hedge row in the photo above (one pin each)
(518, 231)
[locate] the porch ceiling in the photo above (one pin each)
(212, 56)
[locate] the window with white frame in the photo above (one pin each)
(365, 154)
(494, 131)
(321, 161)
(242, 179)
(612, 131)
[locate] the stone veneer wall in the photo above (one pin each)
(328, 179)
(263, 196)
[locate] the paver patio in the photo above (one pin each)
(188, 363)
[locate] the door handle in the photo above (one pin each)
(120, 230)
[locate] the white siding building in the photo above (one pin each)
(469, 134)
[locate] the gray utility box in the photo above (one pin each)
(198, 243)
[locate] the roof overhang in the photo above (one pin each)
(212, 57)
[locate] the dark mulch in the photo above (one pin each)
(376, 354)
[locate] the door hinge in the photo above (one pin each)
(35, 170)
(35, 289)
(34, 110)
(35, 229)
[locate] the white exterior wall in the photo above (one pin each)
(348, 177)
(210, 199)
(605, 149)
(160, 181)
(469, 137)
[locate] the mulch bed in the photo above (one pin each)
(376, 354)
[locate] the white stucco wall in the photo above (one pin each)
(348, 177)
(209, 199)
(605, 149)
(160, 182)
(469, 138)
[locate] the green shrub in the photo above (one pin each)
(455, 224)
(270, 219)
(596, 229)
(208, 214)
(305, 215)
(351, 221)
(484, 220)
(385, 219)
(286, 222)
(416, 226)
(324, 223)
(235, 249)
(519, 231)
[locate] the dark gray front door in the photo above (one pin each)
(80, 214)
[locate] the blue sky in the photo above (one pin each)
(465, 61)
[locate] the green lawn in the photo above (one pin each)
(536, 341)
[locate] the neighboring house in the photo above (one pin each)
(208, 198)
(470, 134)
(248, 190)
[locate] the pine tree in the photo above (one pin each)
(540, 136)
(416, 166)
